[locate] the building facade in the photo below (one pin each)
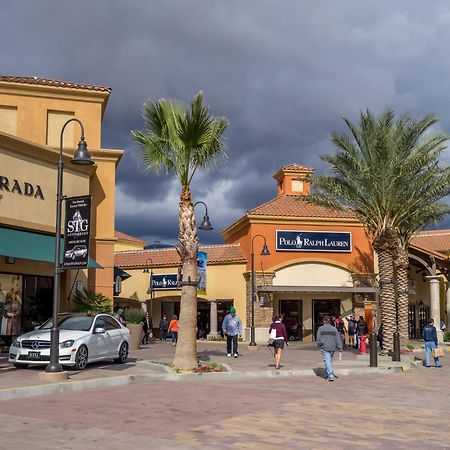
(32, 114)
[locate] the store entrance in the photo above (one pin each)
(321, 308)
(293, 318)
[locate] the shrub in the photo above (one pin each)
(134, 315)
(410, 346)
(212, 367)
(89, 301)
(447, 336)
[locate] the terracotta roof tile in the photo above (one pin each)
(53, 83)
(126, 237)
(434, 240)
(295, 206)
(295, 166)
(168, 257)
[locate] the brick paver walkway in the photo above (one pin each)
(401, 410)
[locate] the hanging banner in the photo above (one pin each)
(201, 272)
(76, 232)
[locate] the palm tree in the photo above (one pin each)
(181, 140)
(375, 173)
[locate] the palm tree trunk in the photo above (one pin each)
(401, 264)
(387, 298)
(186, 351)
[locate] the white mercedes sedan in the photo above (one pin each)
(82, 339)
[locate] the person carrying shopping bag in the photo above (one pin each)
(278, 337)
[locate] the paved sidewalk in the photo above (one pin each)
(151, 363)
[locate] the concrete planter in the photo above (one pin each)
(136, 330)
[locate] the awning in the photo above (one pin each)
(118, 272)
(33, 246)
(319, 289)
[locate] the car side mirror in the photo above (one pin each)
(99, 331)
(37, 327)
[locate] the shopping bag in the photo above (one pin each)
(438, 352)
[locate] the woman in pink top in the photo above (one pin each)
(277, 331)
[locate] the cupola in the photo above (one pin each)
(294, 179)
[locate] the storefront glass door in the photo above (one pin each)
(321, 308)
(293, 318)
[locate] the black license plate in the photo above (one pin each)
(34, 355)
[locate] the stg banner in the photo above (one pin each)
(314, 241)
(76, 232)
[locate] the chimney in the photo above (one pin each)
(294, 179)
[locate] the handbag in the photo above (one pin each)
(272, 336)
(438, 352)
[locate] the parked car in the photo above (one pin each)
(82, 339)
(75, 252)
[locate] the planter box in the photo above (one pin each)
(136, 330)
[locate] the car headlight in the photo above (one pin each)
(67, 344)
(16, 343)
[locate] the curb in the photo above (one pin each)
(98, 383)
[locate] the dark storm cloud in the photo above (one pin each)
(283, 73)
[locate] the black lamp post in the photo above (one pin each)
(81, 157)
(206, 224)
(150, 288)
(264, 252)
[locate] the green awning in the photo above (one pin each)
(118, 272)
(33, 246)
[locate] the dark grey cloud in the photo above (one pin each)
(283, 73)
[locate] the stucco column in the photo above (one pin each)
(435, 310)
(213, 320)
(448, 305)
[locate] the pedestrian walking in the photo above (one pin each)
(329, 341)
(147, 328)
(163, 328)
(429, 335)
(351, 331)
(277, 332)
(174, 326)
(232, 329)
(340, 326)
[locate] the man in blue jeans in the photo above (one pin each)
(430, 337)
(329, 341)
(232, 329)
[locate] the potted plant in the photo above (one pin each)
(134, 318)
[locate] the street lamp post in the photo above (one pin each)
(264, 252)
(81, 157)
(150, 289)
(206, 224)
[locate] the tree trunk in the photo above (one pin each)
(387, 298)
(401, 264)
(186, 351)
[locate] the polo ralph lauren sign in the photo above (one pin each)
(314, 241)
(165, 282)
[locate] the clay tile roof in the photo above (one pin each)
(167, 257)
(294, 206)
(53, 83)
(294, 166)
(433, 240)
(126, 237)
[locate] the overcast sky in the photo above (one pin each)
(283, 73)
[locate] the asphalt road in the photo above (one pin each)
(400, 410)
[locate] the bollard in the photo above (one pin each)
(373, 350)
(396, 354)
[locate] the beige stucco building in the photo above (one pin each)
(32, 114)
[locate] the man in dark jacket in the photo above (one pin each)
(163, 327)
(430, 337)
(329, 341)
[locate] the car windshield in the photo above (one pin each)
(79, 323)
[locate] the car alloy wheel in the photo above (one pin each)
(123, 353)
(81, 358)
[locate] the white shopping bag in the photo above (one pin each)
(273, 333)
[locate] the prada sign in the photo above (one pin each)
(314, 241)
(20, 187)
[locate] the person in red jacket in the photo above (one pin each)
(277, 332)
